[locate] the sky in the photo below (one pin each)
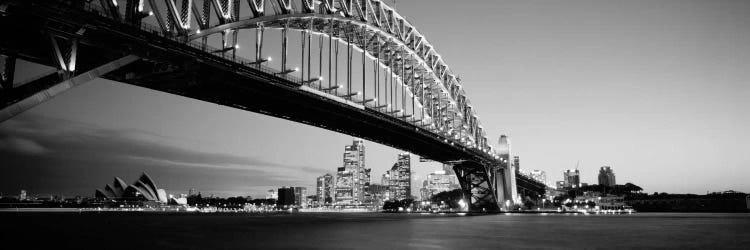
(657, 89)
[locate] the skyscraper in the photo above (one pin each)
(606, 176)
(399, 178)
(193, 192)
(352, 178)
(300, 196)
(516, 163)
(439, 181)
(324, 189)
(572, 178)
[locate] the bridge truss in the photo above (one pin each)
(388, 71)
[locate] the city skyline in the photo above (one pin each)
(646, 88)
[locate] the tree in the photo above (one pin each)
(451, 198)
(632, 188)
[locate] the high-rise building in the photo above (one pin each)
(539, 175)
(398, 178)
(572, 178)
(439, 181)
(353, 177)
(516, 163)
(272, 194)
(286, 197)
(300, 196)
(22, 196)
(378, 195)
(324, 189)
(607, 176)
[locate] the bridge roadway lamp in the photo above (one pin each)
(224, 49)
(395, 111)
(351, 95)
(383, 106)
(288, 71)
(333, 88)
(320, 78)
(367, 100)
(260, 61)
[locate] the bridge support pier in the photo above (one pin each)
(476, 182)
(507, 191)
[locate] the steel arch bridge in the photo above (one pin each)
(391, 86)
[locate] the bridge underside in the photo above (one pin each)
(530, 189)
(169, 66)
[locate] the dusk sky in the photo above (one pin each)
(657, 89)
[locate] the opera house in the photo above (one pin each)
(142, 190)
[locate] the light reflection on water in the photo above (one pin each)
(388, 231)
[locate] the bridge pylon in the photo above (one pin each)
(505, 180)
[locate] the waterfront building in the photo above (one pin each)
(440, 181)
(312, 201)
(300, 196)
(572, 178)
(597, 201)
(398, 178)
(424, 193)
(143, 189)
(285, 197)
(607, 176)
(378, 194)
(324, 189)
(272, 194)
(353, 177)
(728, 201)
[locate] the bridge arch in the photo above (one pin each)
(371, 26)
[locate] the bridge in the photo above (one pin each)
(352, 66)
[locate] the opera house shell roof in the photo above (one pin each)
(143, 189)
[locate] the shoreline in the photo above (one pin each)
(538, 212)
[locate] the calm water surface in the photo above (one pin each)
(376, 231)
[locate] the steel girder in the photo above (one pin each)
(45, 88)
(366, 23)
(476, 182)
(370, 25)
